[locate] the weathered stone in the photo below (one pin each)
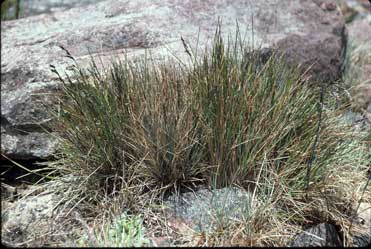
(361, 122)
(359, 30)
(305, 32)
(363, 236)
(35, 217)
(352, 9)
(362, 94)
(37, 7)
(358, 70)
(7, 191)
(205, 210)
(360, 56)
(28, 146)
(362, 240)
(27, 218)
(320, 235)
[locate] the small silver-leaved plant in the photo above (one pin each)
(127, 231)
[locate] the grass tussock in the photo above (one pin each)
(142, 128)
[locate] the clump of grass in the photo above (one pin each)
(280, 212)
(251, 111)
(165, 125)
(170, 124)
(143, 127)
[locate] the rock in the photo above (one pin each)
(361, 122)
(353, 9)
(27, 219)
(206, 210)
(362, 240)
(160, 242)
(359, 50)
(36, 217)
(329, 6)
(360, 6)
(358, 70)
(5, 205)
(37, 7)
(359, 30)
(320, 235)
(363, 236)
(28, 146)
(362, 94)
(7, 191)
(302, 30)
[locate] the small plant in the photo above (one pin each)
(127, 231)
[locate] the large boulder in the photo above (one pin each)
(308, 32)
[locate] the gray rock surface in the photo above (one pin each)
(205, 210)
(320, 235)
(360, 55)
(27, 219)
(358, 66)
(37, 7)
(363, 224)
(35, 214)
(307, 33)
